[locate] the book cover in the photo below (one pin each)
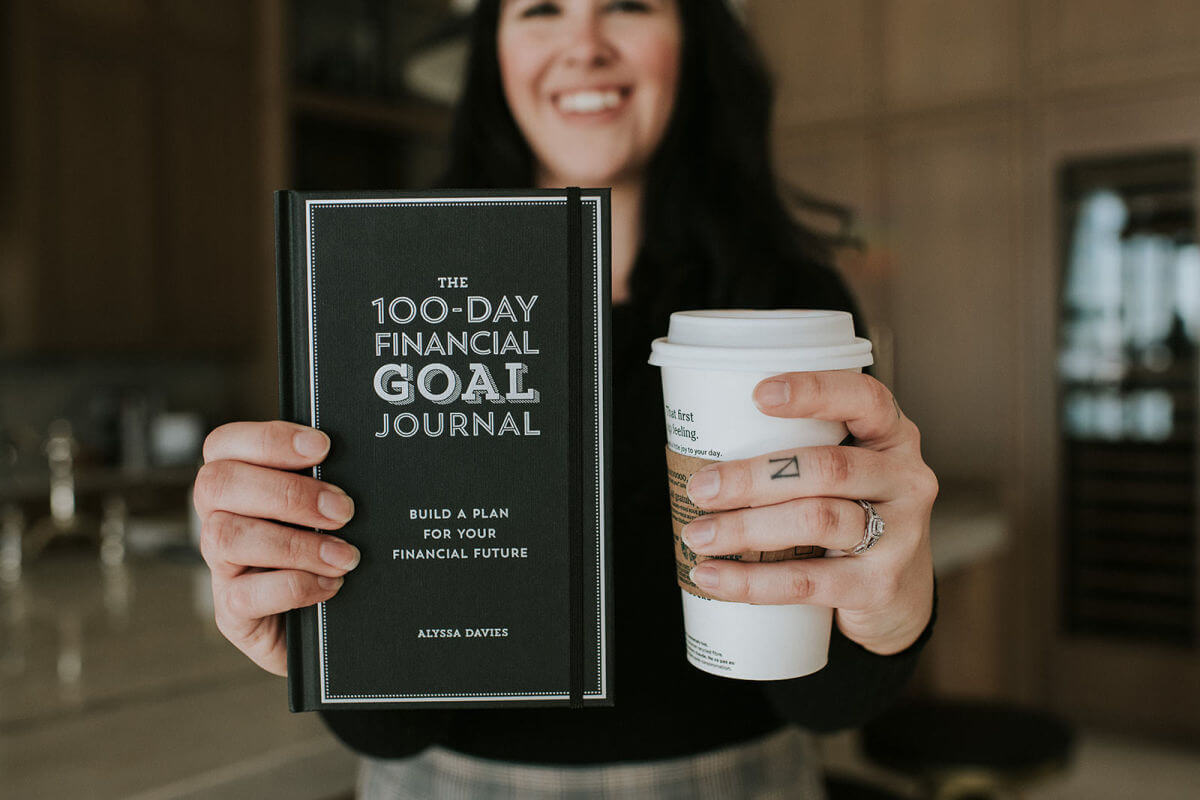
(454, 346)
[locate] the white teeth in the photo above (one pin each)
(585, 102)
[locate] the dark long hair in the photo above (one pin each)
(715, 230)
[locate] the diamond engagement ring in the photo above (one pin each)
(872, 533)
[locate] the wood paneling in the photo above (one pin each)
(1092, 43)
(1141, 687)
(207, 282)
(950, 212)
(96, 232)
(967, 657)
(946, 51)
(18, 197)
(820, 54)
(841, 164)
(836, 164)
(107, 14)
(967, 110)
(215, 23)
(136, 154)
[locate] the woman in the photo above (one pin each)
(666, 102)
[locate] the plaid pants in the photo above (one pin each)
(780, 766)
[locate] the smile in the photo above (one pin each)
(592, 101)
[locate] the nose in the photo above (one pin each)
(587, 44)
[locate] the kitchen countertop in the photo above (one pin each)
(115, 683)
(969, 525)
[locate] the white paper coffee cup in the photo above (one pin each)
(711, 362)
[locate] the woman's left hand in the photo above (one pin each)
(807, 496)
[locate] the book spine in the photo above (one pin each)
(288, 400)
(605, 288)
(575, 443)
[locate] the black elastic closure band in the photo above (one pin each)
(575, 437)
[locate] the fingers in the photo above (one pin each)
(836, 582)
(230, 543)
(828, 522)
(868, 408)
(261, 568)
(254, 491)
(848, 472)
(284, 445)
(255, 595)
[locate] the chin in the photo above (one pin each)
(587, 170)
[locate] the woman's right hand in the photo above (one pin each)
(260, 567)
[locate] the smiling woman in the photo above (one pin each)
(666, 102)
(592, 92)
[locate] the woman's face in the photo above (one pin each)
(591, 83)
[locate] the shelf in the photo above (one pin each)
(35, 484)
(406, 116)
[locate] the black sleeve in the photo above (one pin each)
(855, 686)
(389, 733)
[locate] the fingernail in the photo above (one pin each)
(704, 484)
(337, 553)
(705, 576)
(328, 584)
(335, 506)
(699, 533)
(772, 393)
(310, 443)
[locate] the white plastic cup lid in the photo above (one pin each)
(755, 341)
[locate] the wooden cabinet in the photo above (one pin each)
(1099, 43)
(134, 160)
(950, 196)
(841, 164)
(93, 248)
(211, 194)
(948, 124)
(1145, 685)
(821, 55)
(937, 52)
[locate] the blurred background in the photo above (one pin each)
(1023, 177)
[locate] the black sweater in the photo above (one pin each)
(664, 707)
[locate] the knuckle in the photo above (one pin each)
(732, 532)
(736, 485)
(914, 433)
(799, 584)
(296, 497)
(740, 587)
(297, 589)
(237, 601)
(931, 484)
(211, 483)
(887, 585)
(832, 465)
(297, 548)
(823, 516)
(217, 536)
(925, 484)
(223, 626)
(276, 438)
(816, 388)
(209, 550)
(881, 396)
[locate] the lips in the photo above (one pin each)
(591, 101)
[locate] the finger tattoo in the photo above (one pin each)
(790, 468)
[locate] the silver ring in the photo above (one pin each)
(873, 532)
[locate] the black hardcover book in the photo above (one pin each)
(454, 346)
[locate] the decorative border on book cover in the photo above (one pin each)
(592, 203)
